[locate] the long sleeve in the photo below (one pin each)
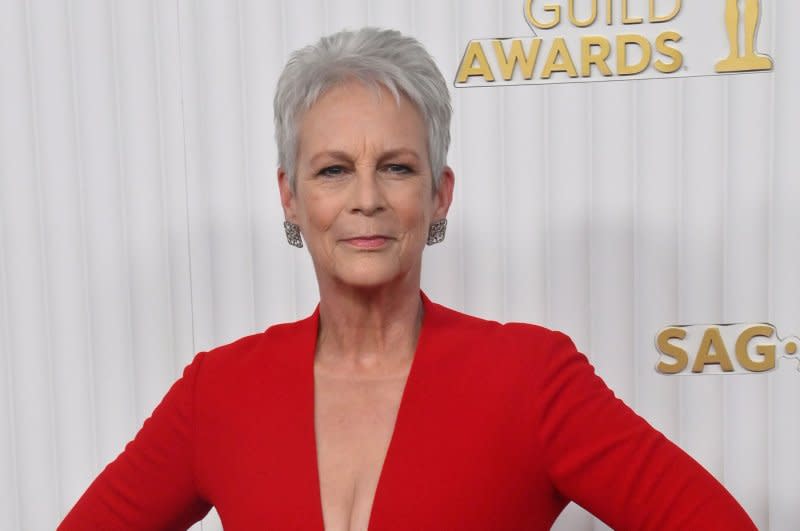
(602, 455)
(150, 485)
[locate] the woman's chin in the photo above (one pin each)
(369, 280)
(369, 275)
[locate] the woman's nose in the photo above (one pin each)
(367, 195)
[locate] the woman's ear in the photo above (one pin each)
(443, 196)
(287, 195)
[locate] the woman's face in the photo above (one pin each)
(363, 197)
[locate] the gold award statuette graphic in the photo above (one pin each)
(741, 348)
(750, 60)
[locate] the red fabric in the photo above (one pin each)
(499, 427)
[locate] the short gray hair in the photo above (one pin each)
(373, 56)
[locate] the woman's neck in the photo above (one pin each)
(368, 331)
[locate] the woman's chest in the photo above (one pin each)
(353, 423)
(443, 451)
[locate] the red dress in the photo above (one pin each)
(499, 427)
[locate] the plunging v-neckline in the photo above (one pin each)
(402, 406)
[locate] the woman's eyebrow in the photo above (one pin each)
(338, 155)
(392, 153)
(344, 156)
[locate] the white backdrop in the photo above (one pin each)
(140, 224)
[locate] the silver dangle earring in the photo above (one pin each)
(436, 231)
(293, 234)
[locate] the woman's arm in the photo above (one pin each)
(150, 485)
(602, 455)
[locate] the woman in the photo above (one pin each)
(384, 410)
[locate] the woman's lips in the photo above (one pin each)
(368, 242)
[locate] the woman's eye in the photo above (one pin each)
(398, 168)
(332, 171)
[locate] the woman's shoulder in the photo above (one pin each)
(247, 352)
(490, 329)
(525, 342)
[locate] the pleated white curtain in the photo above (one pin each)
(140, 224)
